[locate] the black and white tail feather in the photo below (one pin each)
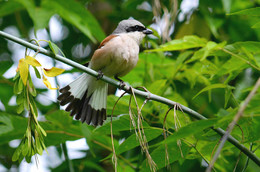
(86, 98)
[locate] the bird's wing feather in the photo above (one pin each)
(101, 56)
(106, 40)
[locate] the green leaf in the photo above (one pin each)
(37, 73)
(25, 148)
(157, 87)
(213, 86)
(54, 47)
(17, 75)
(79, 16)
(190, 129)
(5, 125)
(4, 66)
(20, 99)
(121, 123)
(32, 89)
(9, 7)
(253, 129)
(204, 52)
(16, 154)
(181, 44)
(132, 142)
(60, 118)
(257, 25)
(18, 86)
(253, 106)
(159, 155)
(39, 15)
(232, 65)
(20, 108)
(228, 93)
(180, 61)
(250, 46)
(249, 12)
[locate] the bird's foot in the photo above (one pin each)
(100, 75)
(122, 84)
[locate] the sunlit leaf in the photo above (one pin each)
(257, 25)
(186, 42)
(249, 12)
(32, 61)
(47, 83)
(24, 70)
(54, 71)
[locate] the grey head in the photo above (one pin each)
(131, 25)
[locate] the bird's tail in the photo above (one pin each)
(86, 98)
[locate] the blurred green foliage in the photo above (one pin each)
(208, 62)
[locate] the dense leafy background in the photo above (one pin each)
(209, 63)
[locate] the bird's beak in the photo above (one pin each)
(147, 31)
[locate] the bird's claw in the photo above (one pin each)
(122, 84)
(100, 75)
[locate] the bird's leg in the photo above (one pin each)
(122, 83)
(100, 75)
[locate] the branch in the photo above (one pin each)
(117, 84)
(233, 123)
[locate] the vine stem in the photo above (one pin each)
(126, 88)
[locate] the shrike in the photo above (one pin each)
(116, 56)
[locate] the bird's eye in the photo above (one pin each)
(135, 28)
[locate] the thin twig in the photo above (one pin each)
(167, 161)
(141, 135)
(66, 155)
(114, 158)
(233, 123)
(247, 160)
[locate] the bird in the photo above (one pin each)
(115, 57)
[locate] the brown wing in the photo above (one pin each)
(101, 56)
(106, 40)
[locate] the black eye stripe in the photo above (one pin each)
(135, 28)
